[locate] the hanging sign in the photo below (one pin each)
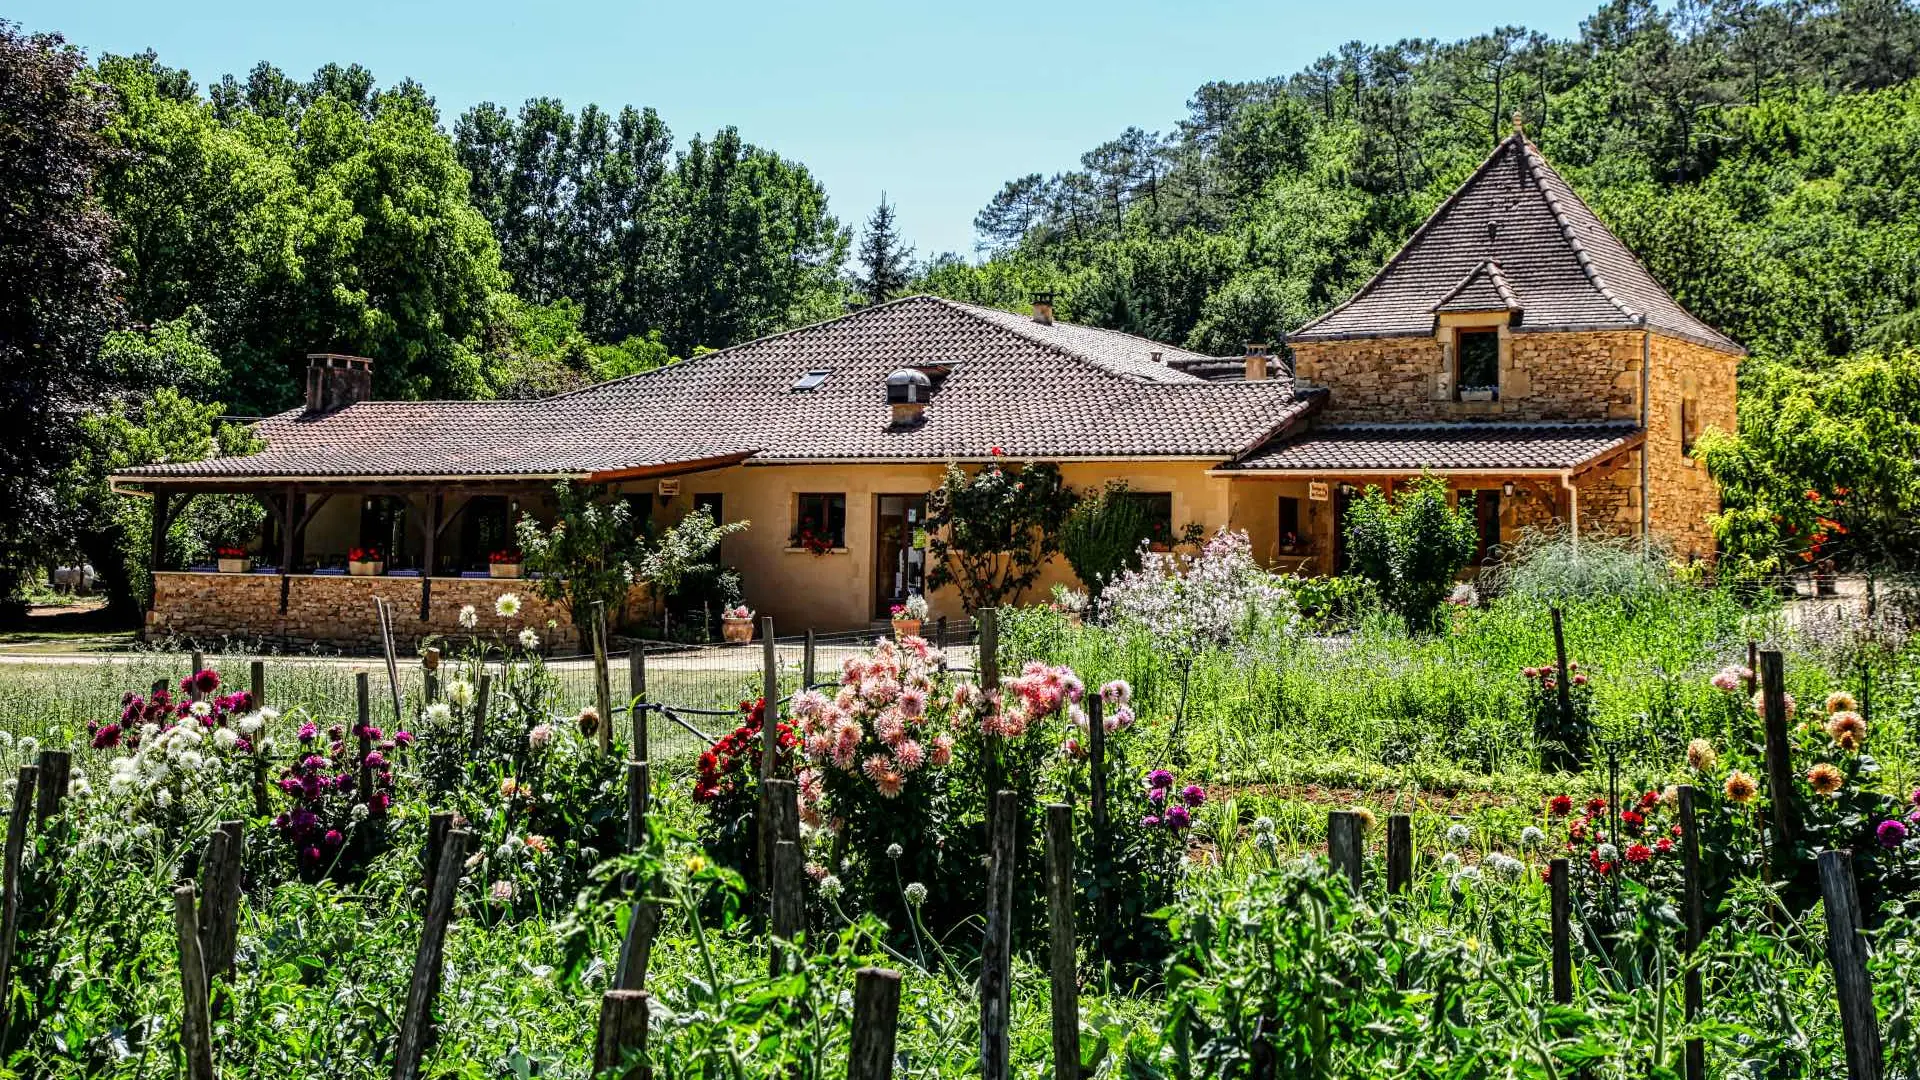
(1317, 490)
(669, 488)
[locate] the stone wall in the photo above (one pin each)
(337, 611)
(1683, 494)
(1548, 376)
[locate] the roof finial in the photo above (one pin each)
(1519, 124)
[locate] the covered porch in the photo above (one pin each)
(1293, 499)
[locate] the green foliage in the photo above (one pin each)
(1823, 467)
(989, 533)
(1411, 546)
(1544, 566)
(586, 557)
(1102, 535)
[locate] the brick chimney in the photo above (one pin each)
(335, 381)
(1257, 356)
(1043, 308)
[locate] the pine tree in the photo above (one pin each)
(885, 266)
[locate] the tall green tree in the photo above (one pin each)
(883, 263)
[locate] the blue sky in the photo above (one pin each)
(936, 105)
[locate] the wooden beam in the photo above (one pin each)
(162, 511)
(306, 517)
(435, 504)
(287, 504)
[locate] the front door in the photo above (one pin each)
(899, 559)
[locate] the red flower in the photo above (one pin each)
(1648, 800)
(1676, 831)
(1664, 846)
(1632, 820)
(1812, 495)
(1639, 853)
(1599, 866)
(1595, 806)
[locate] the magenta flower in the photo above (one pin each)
(308, 731)
(1178, 817)
(1156, 796)
(1160, 778)
(1150, 821)
(1193, 795)
(375, 759)
(403, 738)
(1891, 833)
(106, 737)
(206, 681)
(333, 838)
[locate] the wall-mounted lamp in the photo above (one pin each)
(1507, 489)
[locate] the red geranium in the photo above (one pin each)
(1639, 853)
(1560, 805)
(363, 554)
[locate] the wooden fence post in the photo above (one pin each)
(56, 771)
(987, 666)
(10, 901)
(199, 664)
(940, 633)
(1753, 667)
(257, 685)
(257, 698)
(1565, 757)
(806, 662)
(788, 910)
(639, 794)
(364, 704)
(1064, 947)
(417, 1020)
(622, 1036)
(996, 951)
(1399, 853)
(220, 898)
(769, 746)
(439, 823)
(636, 701)
(196, 1027)
(1344, 846)
(1780, 791)
(430, 675)
(636, 949)
(1560, 884)
(1694, 912)
(602, 678)
(1847, 952)
(1097, 801)
(876, 1022)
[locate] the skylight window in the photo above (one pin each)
(810, 381)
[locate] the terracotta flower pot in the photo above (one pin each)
(235, 566)
(737, 631)
(504, 569)
(906, 628)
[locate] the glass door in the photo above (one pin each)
(900, 554)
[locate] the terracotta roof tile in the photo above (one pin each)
(1553, 254)
(1440, 447)
(1031, 390)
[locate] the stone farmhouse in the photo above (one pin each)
(1514, 346)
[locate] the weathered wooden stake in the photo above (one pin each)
(257, 684)
(56, 771)
(257, 695)
(199, 665)
(439, 823)
(783, 801)
(430, 675)
(1847, 952)
(482, 698)
(10, 899)
(639, 794)
(1559, 885)
(622, 1037)
(1753, 667)
(789, 907)
(1344, 845)
(1063, 946)
(1399, 853)
(363, 702)
(769, 745)
(417, 1020)
(876, 1022)
(1694, 913)
(196, 1026)
(602, 679)
(1097, 801)
(636, 701)
(806, 662)
(636, 949)
(220, 898)
(1780, 789)
(988, 668)
(1566, 756)
(996, 951)
(940, 633)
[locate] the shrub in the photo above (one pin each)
(1411, 547)
(1103, 534)
(989, 533)
(1546, 566)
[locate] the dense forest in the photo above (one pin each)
(1758, 156)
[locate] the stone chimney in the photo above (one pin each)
(1043, 308)
(335, 381)
(1257, 357)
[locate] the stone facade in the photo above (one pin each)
(337, 611)
(1572, 376)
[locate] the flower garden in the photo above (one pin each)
(1210, 729)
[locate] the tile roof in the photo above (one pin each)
(1551, 252)
(1484, 288)
(1441, 447)
(1030, 390)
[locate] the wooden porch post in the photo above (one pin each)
(289, 520)
(162, 513)
(435, 503)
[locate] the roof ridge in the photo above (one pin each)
(1406, 246)
(1535, 164)
(976, 313)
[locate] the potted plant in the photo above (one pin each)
(1291, 544)
(1071, 603)
(233, 560)
(365, 562)
(504, 564)
(736, 624)
(908, 616)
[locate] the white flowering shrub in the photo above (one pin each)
(1190, 602)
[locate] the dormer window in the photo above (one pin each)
(1479, 365)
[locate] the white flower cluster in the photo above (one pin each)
(179, 755)
(1505, 866)
(1189, 602)
(1459, 835)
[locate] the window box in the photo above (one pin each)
(503, 570)
(1479, 394)
(366, 568)
(230, 565)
